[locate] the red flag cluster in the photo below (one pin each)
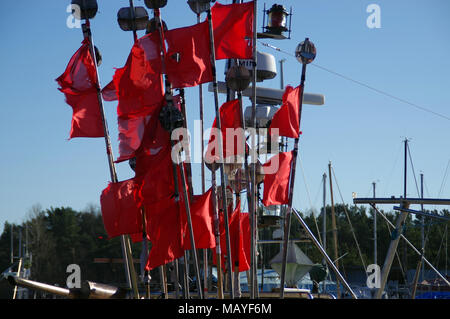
(138, 88)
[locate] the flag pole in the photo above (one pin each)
(217, 233)
(253, 212)
(305, 53)
(130, 272)
(197, 8)
(169, 99)
(221, 157)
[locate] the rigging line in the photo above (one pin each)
(363, 84)
(413, 170)
(393, 168)
(309, 197)
(350, 223)
(444, 179)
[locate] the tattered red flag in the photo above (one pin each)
(287, 118)
(120, 209)
(276, 179)
(233, 30)
(165, 228)
(188, 59)
(239, 228)
(79, 85)
(232, 134)
(139, 83)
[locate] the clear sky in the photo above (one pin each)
(359, 130)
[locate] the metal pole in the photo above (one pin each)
(374, 231)
(12, 245)
(130, 272)
(133, 22)
(287, 221)
(334, 229)
(396, 233)
(253, 214)
(412, 246)
(324, 212)
(205, 251)
(217, 234)
(221, 157)
(324, 253)
(422, 226)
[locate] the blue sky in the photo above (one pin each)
(359, 130)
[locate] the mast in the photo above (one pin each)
(374, 230)
(334, 230)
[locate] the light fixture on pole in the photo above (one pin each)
(132, 20)
(199, 6)
(305, 53)
(87, 9)
(277, 22)
(155, 4)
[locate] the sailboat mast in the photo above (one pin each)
(334, 229)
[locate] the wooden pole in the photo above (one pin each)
(334, 230)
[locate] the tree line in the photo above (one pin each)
(54, 238)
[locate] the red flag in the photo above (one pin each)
(139, 83)
(276, 179)
(287, 119)
(165, 228)
(120, 209)
(188, 59)
(232, 133)
(233, 30)
(239, 228)
(79, 85)
(202, 215)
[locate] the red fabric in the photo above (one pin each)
(109, 92)
(139, 83)
(193, 48)
(120, 209)
(202, 215)
(233, 30)
(239, 228)
(276, 179)
(165, 227)
(231, 138)
(287, 119)
(79, 85)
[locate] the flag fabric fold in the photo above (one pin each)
(79, 85)
(202, 215)
(287, 119)
(239, 227)
(276, 179)
(231, 131)
(120, 209)
(188, 58)
(233, 30)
